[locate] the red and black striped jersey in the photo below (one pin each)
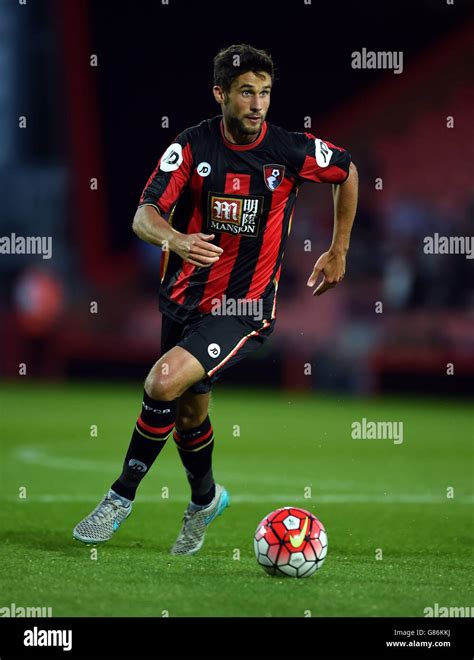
(245, 195)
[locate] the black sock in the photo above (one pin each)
(149, 437)
(195, 449)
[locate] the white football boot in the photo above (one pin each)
(191, 537)
(100, 525)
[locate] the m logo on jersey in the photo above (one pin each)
(234, 214)
(273, 175)
(172, 158)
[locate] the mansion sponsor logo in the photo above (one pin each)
(40, 637)
(225, 306)
(15, 611)
(15, 245)
(366, 430)
(234, 214)
(377, 59)
(437, 244)
(441, 611)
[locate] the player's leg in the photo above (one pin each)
(217, 342)
(172, 375)
(195, 441)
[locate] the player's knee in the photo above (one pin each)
(161, 388)
(189, 419)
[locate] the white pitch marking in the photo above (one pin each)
(335, 498)
(34, 456)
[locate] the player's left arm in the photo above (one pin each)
(332, 264)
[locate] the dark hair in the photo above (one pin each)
(232, 61)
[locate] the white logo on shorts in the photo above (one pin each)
(214, 350)
(203, 169)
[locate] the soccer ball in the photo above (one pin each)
(290, 541)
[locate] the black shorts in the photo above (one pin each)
(218, 342)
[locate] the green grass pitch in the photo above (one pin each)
(270, 449)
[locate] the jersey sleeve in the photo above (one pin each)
(170, 176)
(321, 161)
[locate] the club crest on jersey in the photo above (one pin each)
(273, 176)
(234, 214)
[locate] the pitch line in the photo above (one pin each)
(36, 456)
(278, 498)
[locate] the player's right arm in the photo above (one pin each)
(161, 192)
(150, 226)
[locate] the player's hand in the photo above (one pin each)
(333, 266)
(196, 249)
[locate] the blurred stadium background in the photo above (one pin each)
(104, 122)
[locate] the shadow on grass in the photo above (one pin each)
(53, 545)
(63, 543)
(52, 541)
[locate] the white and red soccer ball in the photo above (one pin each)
(291, 541)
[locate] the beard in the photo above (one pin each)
(238, 128)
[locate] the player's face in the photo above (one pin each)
(246, 105)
